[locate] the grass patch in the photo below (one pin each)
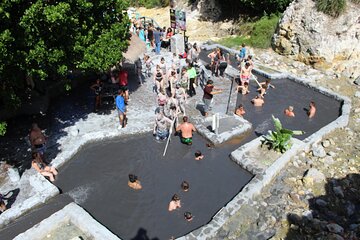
(150, 3)
(331, 7)
(256, 34)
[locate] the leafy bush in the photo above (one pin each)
(150, 3)
(3, 126)
(256, 34)
(254, 7)
(279, 140)
(331, 7)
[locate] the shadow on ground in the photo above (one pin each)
(335, 215)
(64, 111)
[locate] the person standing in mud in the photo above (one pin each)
(97, 88)
(186, 130)
(37, 139)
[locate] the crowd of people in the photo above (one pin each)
(245, 66)
(173, 85)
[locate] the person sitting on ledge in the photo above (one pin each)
(185, 186)
(2, 204)
(198, 155)
(188, 216)
(312, 110)
(174, 203)
(258, 101)
(186, 129)
(38, 164)
(289, 111)
(133, 182)
(240, 111)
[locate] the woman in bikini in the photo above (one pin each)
(38, 164)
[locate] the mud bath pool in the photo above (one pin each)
(96, 178)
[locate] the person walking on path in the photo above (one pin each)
(209, 91)
(121, 108)
(97, 88)
(191, 72)
(157, 38)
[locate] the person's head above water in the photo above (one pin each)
(188, 216)
(198, 153)
(185, 118)
(185, 186)
(175, 197)
(132, 178)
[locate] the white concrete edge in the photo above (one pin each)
(44, 190)
(70, 213)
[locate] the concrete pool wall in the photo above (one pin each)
(260, 180)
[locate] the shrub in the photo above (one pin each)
(3, 126)
(279, 140)
(150, 3)
(256, 34)
(332, 7)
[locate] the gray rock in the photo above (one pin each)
(314, 174)
(308, 215)
(357, 94)
(335, 236)
(338, 191)
(326, 143)
(353, 227)
(318, 151)
(357, 81)
(321, 203)
(350, 208)
(335, 228)
(328, 160)
(265, 235)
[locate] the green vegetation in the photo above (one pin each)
(3, 126)
(150, 3)
(333, 8)
(235, 8)
(41, 41)
(280, 139)
(256, 34)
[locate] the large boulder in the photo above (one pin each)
(318, 39)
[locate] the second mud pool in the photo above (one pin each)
(97, 176)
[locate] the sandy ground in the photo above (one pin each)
(197, 30)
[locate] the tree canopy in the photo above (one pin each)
(42, 40)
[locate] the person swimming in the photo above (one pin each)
(188, 216)
(175, 203)
(185, 186)
(289, 111)
(133, 182)
(198, 155)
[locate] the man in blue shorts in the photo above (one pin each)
(121, 108)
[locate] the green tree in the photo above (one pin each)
(41, 40)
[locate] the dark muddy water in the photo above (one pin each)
(97, 178)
